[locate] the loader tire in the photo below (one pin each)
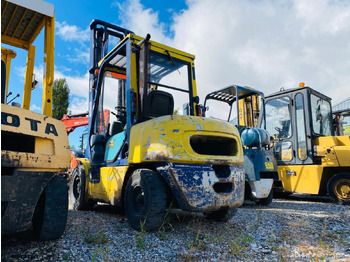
(50, 215)
(265, 201)
(145, 200)
(77, 189)
(338, 188)
(224, 214)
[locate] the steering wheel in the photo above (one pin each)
(281, 133)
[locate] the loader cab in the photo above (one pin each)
(341, 119)
(294, 119)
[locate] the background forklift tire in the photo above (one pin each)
(338, 188)
(224, 214)
(77, 189)
(50, 215)
(145, 200)
(265, 201)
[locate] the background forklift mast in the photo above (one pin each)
(310, 158)
(260, 165)
(146, 157)
(342, 122)
(34, 147)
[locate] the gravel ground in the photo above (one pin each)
(286, 230)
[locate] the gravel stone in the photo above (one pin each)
(286, 230)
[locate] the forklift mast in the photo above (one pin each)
(100, 32)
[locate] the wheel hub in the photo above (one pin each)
(138, 199)
(342, 189)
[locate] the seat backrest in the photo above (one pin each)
(160, 103)
(98, 143)
(116, 128)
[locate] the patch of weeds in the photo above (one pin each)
(66, 257)
(282, 252)
(240, 244)
(316, 259)
(196, 243)
(166, 221)
(96, 238)
(325, 246)
(140, 236)
(185, 257)
(105, 257)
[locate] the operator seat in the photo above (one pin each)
(160, 103)
(116, 128)
(98, 143)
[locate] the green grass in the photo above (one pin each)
(96, 238)
(140, 236)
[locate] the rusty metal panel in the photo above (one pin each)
(194, 186)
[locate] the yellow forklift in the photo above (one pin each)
(310, 158)
(147, 154)
(34, 147)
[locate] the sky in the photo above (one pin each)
(265, 44)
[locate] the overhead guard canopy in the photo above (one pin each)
(228, 94)
(22, 21)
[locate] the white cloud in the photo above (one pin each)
(78, 85)
(72, 33)
(78, 105)
(267, 44)
(141, 21)
(79, 56)
(35, 108)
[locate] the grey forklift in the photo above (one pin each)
(240, 106)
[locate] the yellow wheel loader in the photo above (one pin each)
(34, 147)
(310, 158)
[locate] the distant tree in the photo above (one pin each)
(60, 98)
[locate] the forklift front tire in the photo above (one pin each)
(145, 200)
(224, 214)
(77, 189)
(266, 201)
(338, 188)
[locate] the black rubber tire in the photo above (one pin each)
(334, 193)
(265, 201)
(224, 214)
(77, 189)
(50, 215)
(145, 200)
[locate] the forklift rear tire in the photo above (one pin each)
(77, 189)
(50, 215)
(266, 201)
(145, 200)
(338, 188)
(224, 214)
